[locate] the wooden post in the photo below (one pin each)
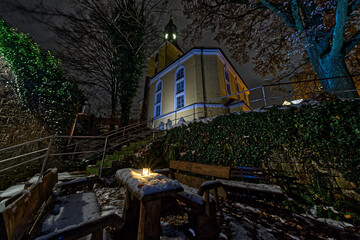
(98, 235)
(130, 217)
(149, 220)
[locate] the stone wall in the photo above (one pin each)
(16, 124)
(311, 174)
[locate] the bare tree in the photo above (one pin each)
(283, 35)
(95, 39)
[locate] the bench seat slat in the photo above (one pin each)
(266, 188)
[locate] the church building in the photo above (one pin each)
(192, 85)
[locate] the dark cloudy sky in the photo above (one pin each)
(44, 37)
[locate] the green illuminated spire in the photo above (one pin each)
(170, 32)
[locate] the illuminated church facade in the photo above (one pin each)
(199, 83)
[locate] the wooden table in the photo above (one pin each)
(142, 208)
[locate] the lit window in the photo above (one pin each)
(168, 124)
(158, 99)
(158, 86)
(174, 36)
(180, 73)
(180, 101)
(180, 88)
(227, 82)
(166, 36)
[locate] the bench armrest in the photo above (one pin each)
(86, 228)
(78, 183)
(208, 185)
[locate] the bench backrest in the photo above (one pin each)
(19, 215)
(202, 169)
(248, 173)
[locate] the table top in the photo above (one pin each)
(149, 187)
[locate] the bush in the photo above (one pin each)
(327, 134)
(40, 82)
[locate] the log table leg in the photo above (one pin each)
(130, 217)
(149, 220)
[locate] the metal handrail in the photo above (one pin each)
(26, 143)
(23, 155)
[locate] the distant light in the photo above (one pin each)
(174, 36)
(166, 36)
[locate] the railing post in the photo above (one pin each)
(46, 157)
(103, 158)
(263, 91)
(72, 157)
(194, 112)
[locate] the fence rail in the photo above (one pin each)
(85, 147)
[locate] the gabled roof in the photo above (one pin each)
(197, 51)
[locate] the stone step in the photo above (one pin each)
(93, 169)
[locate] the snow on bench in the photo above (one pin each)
(71, 211)
(259, 187)
(191, 194)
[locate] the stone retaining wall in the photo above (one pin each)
(308, 174)
(16, 124)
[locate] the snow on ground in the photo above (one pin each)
(240, 219)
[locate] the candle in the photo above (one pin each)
(146, 171)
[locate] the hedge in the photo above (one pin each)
(328, 134)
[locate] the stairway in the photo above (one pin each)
(117, 159)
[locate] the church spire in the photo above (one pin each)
(170, 32)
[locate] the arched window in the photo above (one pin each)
(168, 124)
(180, 88)
(181, 120)
(161, 126)
(227, 81)
(158, 99)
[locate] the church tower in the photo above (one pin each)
(170, 32)
(166, 54)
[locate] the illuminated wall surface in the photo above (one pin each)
(204, 79)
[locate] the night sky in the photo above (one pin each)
(44, 37)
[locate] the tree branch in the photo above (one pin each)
(338, 35)
(295, 9)
(352, 42)
(353, 6)
(288, 21)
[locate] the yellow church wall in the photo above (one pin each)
(211, 74)
(214, 85)
(168, 53)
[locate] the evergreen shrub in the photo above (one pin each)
(40, 81)
(328, 134)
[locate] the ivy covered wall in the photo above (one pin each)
(40, 81)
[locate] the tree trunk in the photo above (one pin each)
(335, 72)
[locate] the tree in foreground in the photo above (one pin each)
(285, 35)
(103, 45)
(39, 80)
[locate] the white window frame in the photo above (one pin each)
(183, 93)
(156, 93)
(227, 81)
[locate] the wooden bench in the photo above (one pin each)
(23, 214)
(211, 177)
